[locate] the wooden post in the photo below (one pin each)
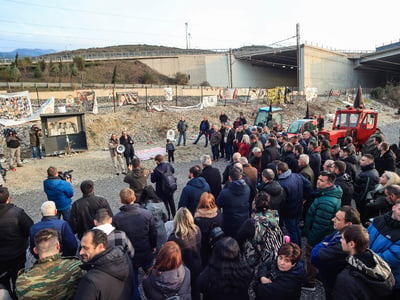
(176, 95)
(147, 107)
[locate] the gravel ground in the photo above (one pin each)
(108, 185)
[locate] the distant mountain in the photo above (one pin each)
(26, 52)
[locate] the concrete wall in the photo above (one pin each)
(214, 68)
(326, 70)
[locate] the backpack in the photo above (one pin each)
(168, 182)
(265, 244)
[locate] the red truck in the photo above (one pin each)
(359, 123)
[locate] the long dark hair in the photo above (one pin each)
(233, 273)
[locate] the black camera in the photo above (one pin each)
(65, 175)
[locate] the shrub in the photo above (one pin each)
(181, 78)
(79, 62)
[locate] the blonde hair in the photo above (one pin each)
(245, 139)
(184, 226)
(392, 177)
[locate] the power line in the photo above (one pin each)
(107, 14)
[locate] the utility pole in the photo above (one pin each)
(299, 79)
(186, 28)
(230, 67)
(189, 36)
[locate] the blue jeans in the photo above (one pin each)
(182, 134)
(35, 151)
(215, 151)
(145, 267)
(228, 151)
(293, 229)
(66, 213)
(199, 136)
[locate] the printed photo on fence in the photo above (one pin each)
(14, 106)
(86, 99)
(228, 93)
(63, 126)
(168, 94)
(127, 98)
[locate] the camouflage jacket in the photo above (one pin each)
(53, 277)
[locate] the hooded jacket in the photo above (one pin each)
(234, 202)
(275, 191)
(284, 286)
(351, 162)
(296, 189)
(365, 182)
(156, 177)
(191, 193)
(367, 276)
(109, 276)
(59, 191)
(344, 181)
(384, 240)
(319, 217)
(160, 285)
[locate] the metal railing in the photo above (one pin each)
(92, 56)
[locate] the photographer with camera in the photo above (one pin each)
(59, 189)
(35, 136)
(13, 143)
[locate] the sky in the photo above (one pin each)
(211, 24)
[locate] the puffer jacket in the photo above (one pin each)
(384, 240)
(296, 189)
(191, 193)
(59, 191)
(319, 217)
(160, 285)
(365, 182)
(351, 162)
(367, 277)
(234, 202)
(109, 276)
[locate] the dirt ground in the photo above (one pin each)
(149, 130)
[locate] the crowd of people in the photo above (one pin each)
(284, 213)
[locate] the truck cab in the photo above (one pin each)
(299, 126)
(360, 124)
(262, 117)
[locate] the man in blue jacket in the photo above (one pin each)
(328, 256)
(296, 188)
(60, 191)
(384, 240)
(68, 241)
(193, 190)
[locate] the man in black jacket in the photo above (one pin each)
(365, 182)
(109, 270)
(84, 209)
(344, 181)
(138, 224)
(211, 175)
(14, 233)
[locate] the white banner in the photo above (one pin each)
(209, 101)
(311, 93)
(168, 94)
(46, 108)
